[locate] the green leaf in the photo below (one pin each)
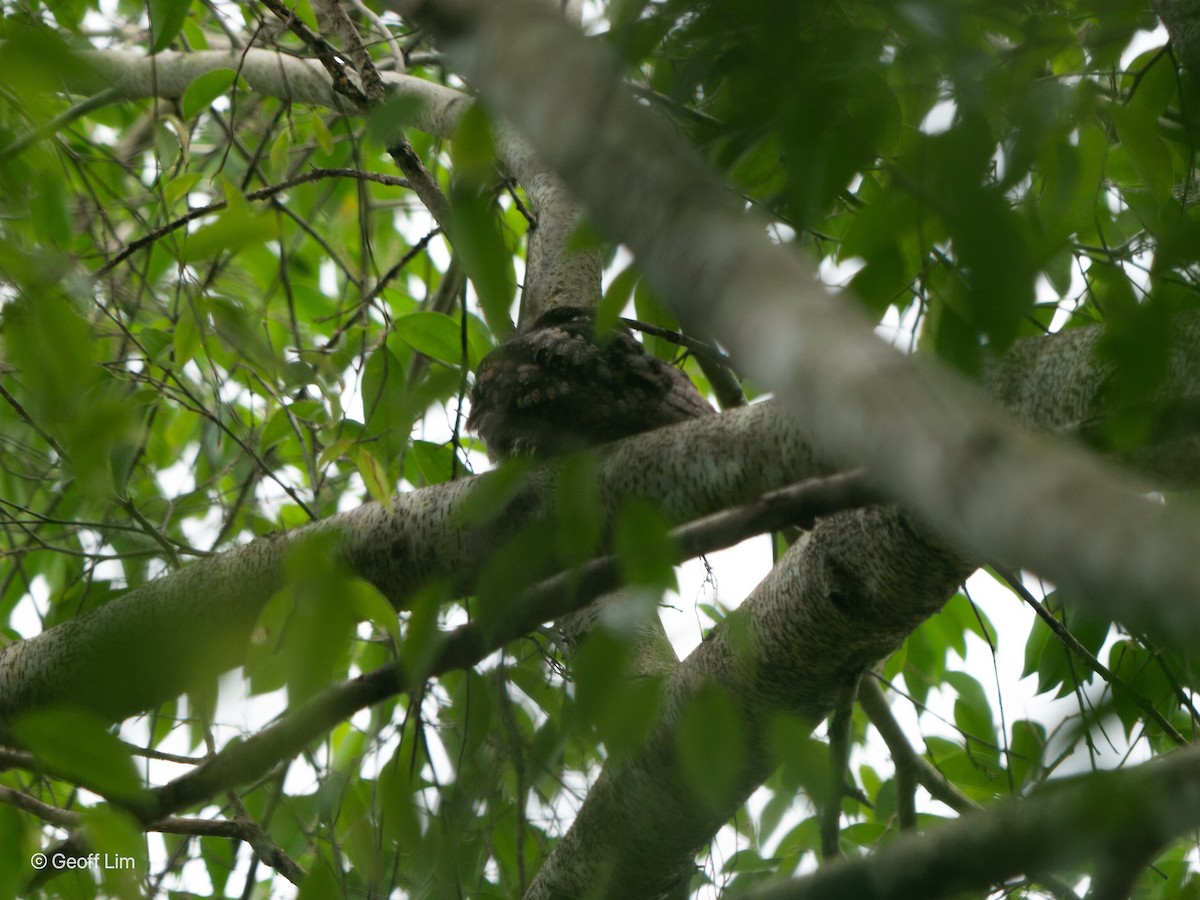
(435, 334)
(865, 834)
(77, 401)
(374, 475)
(386, 121)
(472, 151)
(1060, 271)
(356, 831)
(924, 660)
(1045, 656)
(1143, 679)
(1138, 131)
(48, 209)
(36, 59)
(643, 546)
(969, 617)
(1090, 630)
(304, 12)
(77, 745)
(880, 223)
(435, 461)
(1027, 751)
(370, 605)
(178, 188)
(322, 882)
(978, 776)
(233, 230)
(50, 342)
(280, 150)
(24, 837)
(195, 36)
(883, 281)
(712, 751)
(616, 298)
(620, 708)
(322, 133)
(579, 509)
(386, 403)
(805, 837)
(1156, 83)
(166, 20)
(185, 339)
(803, 760)
(972, 712)
(474, 231)
(399, 780)
(120, 842)
(315, 639)
(492, 493)
(208, 87)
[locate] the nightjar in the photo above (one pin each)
(556, 387)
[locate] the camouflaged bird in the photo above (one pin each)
(556, 387)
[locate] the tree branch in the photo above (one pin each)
(875, 704)
(462, 648)
(1076, 821)
(930, 437)
(173, 633)
(262, 194)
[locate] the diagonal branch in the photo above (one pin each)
(936, 443)
(193, 624)
(1087, 820)
(238, 764)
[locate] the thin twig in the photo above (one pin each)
(261, 194)
(466, 645)
(345, 29)
(45, 130)
(325, 53)
(1064, 634)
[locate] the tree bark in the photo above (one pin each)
(844, 596)
(173, 634)
(1114, 817)
(932, 440)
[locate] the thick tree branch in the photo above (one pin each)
(170, 635)
(776, 655)
(875, 705)
(1088, 820)
(932, 439)
(253, 758)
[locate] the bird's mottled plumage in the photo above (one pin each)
(556, 388)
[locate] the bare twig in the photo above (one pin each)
(325, 53)
(261, 194)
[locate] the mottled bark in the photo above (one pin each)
(1120, 818)
(844, 596)
(1182, 18)
(168, 636)
(934, 441)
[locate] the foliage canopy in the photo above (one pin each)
(227, 314)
